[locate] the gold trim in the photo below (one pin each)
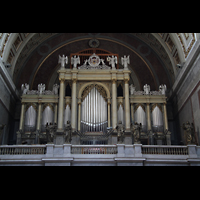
(154, 105)
(48, 104)
(137, 106)
(29, 105)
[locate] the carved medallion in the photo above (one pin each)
(94, 60)
(94, 43)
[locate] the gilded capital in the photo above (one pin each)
(74, 80)
(114, 81)
(62, 80)
(126, 80)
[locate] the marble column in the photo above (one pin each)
(127, 105)
(109, 113)
(148, 116)
(61, 105)
(114, 104)
(21, 124)
(132, 112)
(165, 117)
(38, 128)
(79, 114)
(55, 112)
(74, 105)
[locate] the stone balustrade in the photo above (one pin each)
(119, 154)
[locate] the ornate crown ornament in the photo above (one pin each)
(94, 60)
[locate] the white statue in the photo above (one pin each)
(132, 89)
(63, 60)
(75, 61)
(55, 89)
(41, 88)
(102, 60)
(125, 61)
(112, 61)
(25, 88)
(162, 89)
(85, 62)
(146, 89)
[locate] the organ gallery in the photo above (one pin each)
(99, 99)
(91, 103)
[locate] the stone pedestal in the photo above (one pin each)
(138, 150)
(120, 149)
(59, 138)
(127, 138)
(192, 151)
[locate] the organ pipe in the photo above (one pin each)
(94, 112)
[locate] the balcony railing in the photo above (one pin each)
(22, 149)
(165, 150)
(94, 149)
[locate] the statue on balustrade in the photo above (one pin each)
(125, 61)
(41, 88)
(136, 132)
(188, 132)
(112, 61)
(120, 132)
(132, 89)
(63, 60)
(25, 88)
(68, 131)
(147, 89)
(75, 60)
(50, 131)
(55, 89)
(162, 89)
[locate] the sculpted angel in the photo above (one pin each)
(41, 88)
(146, 89)
(162, 89)
(112, 61)
(24, 88)
(55, 88)
(75, 60)
(125, 61)
(63, 60)
(132, 89)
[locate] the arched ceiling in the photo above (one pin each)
(33, 57)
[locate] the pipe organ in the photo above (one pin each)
(94, 112)
(93, 106)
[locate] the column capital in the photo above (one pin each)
(74, 80)
(126, 80)
(114, 81)
(62, 80)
